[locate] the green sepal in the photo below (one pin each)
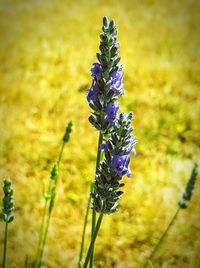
(10, 218)
(105, 22)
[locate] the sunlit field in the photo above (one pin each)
(46, 52)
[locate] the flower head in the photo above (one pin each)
(117, 149)
(8, 201)
(118, 142)
(187, 195)
(107, 83)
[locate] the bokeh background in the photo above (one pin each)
(46, 51)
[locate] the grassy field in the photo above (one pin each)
(46, 51)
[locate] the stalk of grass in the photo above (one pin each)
(187, 195)
(49, 200)
(7, 214)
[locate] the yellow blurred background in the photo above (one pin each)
(46, 52)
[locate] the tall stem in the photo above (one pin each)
(44, 239)
(42, 227)
(91, 247)
(162, 238)
(84, 228)
(5, 244)
(46, 215)
(93, 190)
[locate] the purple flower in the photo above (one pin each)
(92, 93)
(131, 145)
(104, 147)
(111, 112)
(117, 84)
(120, 164)
(107, 146)
(96, 70)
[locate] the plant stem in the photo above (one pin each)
(84, 228)
(46, 215)
(162, 237)
(92, 231)
(91, 247)
(61, 153)
(93, 190)
(44, 239)
(5, 244)
(42, 228)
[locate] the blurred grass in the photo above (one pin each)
(46, 50)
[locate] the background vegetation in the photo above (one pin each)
(46, 51)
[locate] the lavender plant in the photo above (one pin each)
(115, 132)
(49, 200)
(7, 213)
(186, 196)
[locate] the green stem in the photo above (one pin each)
(93, 211)
(84, 228)
(162, 238)
(46, 215)
(5, 245)
(61, 153)
(41, 229)
(44, 239)
(91, 247)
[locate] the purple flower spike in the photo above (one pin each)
(120, 164)
(96, 70)
(116, 141)
(111, 112)
(117, 84)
